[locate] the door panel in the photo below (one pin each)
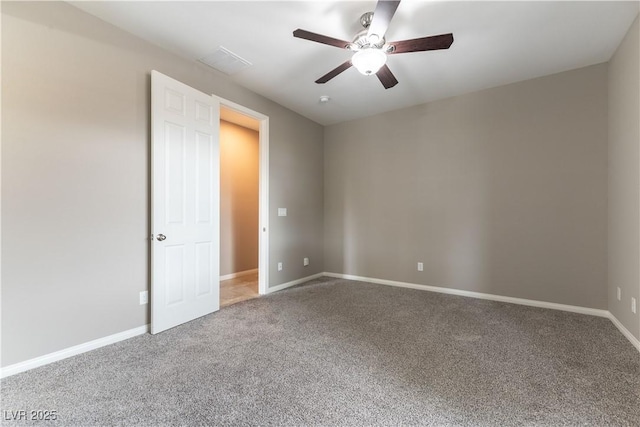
(203, 269)
(175, 179)
(174, 258)
(204, 178)
(185, 203)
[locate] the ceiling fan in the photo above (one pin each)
(371, 48)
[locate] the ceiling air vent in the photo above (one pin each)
(226, 61)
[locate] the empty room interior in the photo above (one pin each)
(320, 213)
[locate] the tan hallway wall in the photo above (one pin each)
(239, 185)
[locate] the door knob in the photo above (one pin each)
(161, 237)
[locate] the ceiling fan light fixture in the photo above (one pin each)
(369, 61)
(370, 46)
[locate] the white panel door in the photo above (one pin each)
(185, 277)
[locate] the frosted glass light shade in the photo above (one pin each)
(369, 61)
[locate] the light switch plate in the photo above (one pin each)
(282, 211)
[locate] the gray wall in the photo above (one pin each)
(624, 180)
(75, 177)
(239, 185)
(502, 191)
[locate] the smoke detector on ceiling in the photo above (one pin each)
(225, 61)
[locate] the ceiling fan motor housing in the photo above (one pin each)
(362, 41)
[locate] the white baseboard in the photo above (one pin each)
(294, 282)
(532, 303)
(238, 274)
(479, 295)
(121, 336)
(625, 331)
(71, 351)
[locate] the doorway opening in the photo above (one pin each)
(243, 210)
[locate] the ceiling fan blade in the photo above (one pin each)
(443, 41)
(382, 17)
(319, 38)
(386, 77)
(331, 74)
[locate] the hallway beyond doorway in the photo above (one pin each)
(238, 289)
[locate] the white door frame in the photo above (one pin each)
(263, 197)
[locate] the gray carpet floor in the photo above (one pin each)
(337, 352)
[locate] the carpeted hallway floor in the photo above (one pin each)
(336, 352)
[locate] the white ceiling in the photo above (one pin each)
(495, 43)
